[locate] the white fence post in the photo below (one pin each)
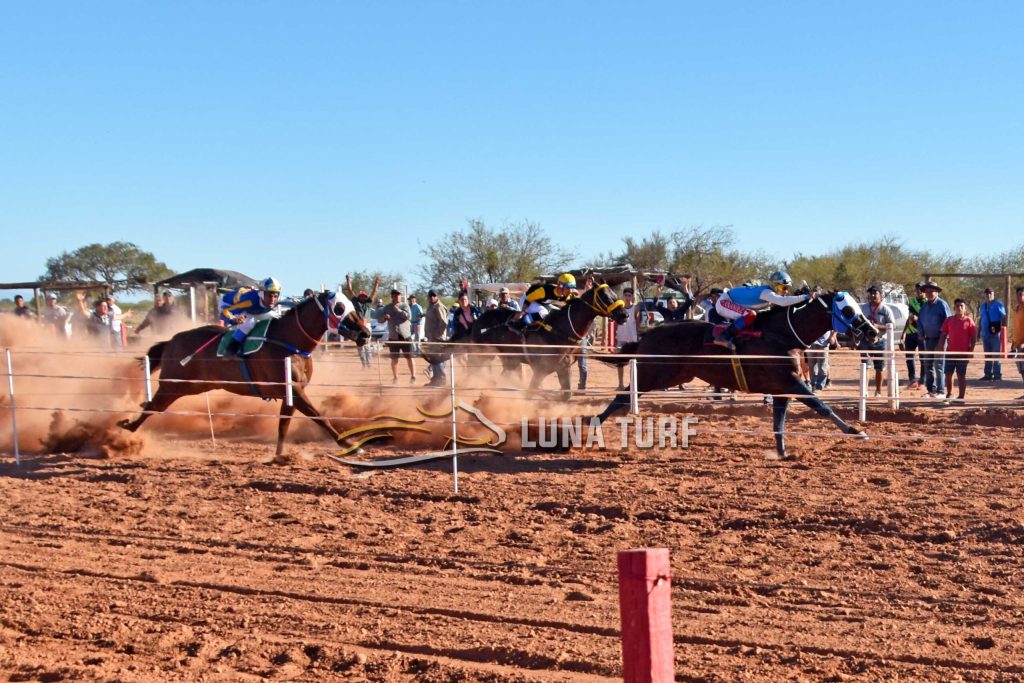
(863, 410)
(14, 420)
(455, 427)
(149, 379)
(890, 362)
(288, 401)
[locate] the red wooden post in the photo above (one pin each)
(645, 592)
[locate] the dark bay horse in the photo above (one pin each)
(189, 364)
(564, 328)
(785, 333)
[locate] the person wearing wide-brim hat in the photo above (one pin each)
(934, 312)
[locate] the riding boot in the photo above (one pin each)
(234, 348)
(725, 338)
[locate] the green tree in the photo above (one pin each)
(514, 252)
(121, 265)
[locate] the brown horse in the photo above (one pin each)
(189, 363)
(548, 348)
(783, 333)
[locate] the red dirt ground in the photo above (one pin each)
(167, 556)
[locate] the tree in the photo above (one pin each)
(705, 253)
(364, 279)
(121, 265)
(515, 252)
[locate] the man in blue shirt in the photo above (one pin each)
(990, 326)
(934, 312)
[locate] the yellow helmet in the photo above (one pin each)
(567, 280)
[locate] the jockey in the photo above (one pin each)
(243, 307)
(532, 303)
(740, 304)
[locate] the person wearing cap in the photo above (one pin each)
(362, 302)
(56, 316)
(934, 312)
(991, 320)
(505, 300)
(161, 315)
(398, 316)
(1017, 337)
(533, 303)
(911, 339)
(435, 325)
(880, 316)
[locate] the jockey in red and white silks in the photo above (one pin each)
(740, 304)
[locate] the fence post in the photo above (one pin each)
(149, 379)
(455, 427)
(645, 593)
(14, 420)
(288, 401)
(862, 413)
(891, 367)
(634, 397)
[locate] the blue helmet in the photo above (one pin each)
(780, 279)
(270, 285)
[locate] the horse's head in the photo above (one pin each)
(847, 315)
(605, 302)
(343, 319)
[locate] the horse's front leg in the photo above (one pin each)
(780, 406)
(564, 380)
(806, 396)
(161, 401)
(283, 423)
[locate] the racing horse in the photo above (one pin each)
(778, 339)
(562, 332)
(189, 364)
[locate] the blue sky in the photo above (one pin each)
(309, 139)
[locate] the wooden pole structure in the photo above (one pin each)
(645, 592)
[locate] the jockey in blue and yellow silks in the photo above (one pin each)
(241, 308)
(532, 306)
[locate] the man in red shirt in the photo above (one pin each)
(961, 333)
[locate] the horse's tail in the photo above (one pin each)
(620, 358)
(155, 354)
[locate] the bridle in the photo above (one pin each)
(835, 317)
(331, 319)
(599, 306)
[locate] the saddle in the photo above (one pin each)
(745, 333)
(252, 343)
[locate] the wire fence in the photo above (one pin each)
(469, 371)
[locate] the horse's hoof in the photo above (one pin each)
(860, 434)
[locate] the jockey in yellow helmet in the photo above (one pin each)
(532, 303)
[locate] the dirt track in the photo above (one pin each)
(186, 560)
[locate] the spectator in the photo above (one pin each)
(56, 316)
(361, 302)
(817, 358)
(101, 322)
(398, 317)
(991, 319)
(672, 311)
(462, 317)
(711, 313)
(585, 344)
(880, 315)
(1018, 334)
(934, 312)
(505, 300)
(435, 325)
(115, 315)
(21, 310)
(416, 321)
(911, 341)
(628, 331)
(161, 315)
(960, 332)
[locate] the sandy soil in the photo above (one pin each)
(170, 556)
